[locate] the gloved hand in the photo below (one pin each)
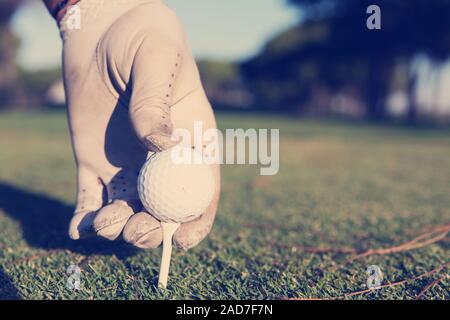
(130, 80)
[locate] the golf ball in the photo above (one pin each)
(173, 191)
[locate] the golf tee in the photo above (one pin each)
(168, 230)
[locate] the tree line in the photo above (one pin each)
(332, 52)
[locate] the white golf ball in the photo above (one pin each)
(173, 191)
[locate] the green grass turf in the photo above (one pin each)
(358, 186)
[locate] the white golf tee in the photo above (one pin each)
(168, 230)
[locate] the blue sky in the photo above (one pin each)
(218, 29)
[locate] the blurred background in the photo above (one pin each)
(302, 57)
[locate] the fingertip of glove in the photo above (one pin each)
(74, 235)
(81, 225)
(186, 243)
(143, 231)
(191, 236)
(159, 142)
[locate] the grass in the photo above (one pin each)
(358, 186)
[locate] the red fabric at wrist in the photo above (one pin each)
(60, 8)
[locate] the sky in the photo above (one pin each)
(217, 29)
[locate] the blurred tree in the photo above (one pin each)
(332, 49)
(218, 72)
(33, 88)
(223, 84)
(7, 9)
(8, 50)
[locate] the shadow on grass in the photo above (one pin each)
(7, 290)
(44, 222)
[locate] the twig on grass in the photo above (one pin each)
(393, 284)
(318, 250)
(35, 256)
(434, 235)
(267, 226)
(402, 282)
(429, 287)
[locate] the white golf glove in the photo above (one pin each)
(130, 79)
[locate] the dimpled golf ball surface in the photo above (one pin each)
(175, 192)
